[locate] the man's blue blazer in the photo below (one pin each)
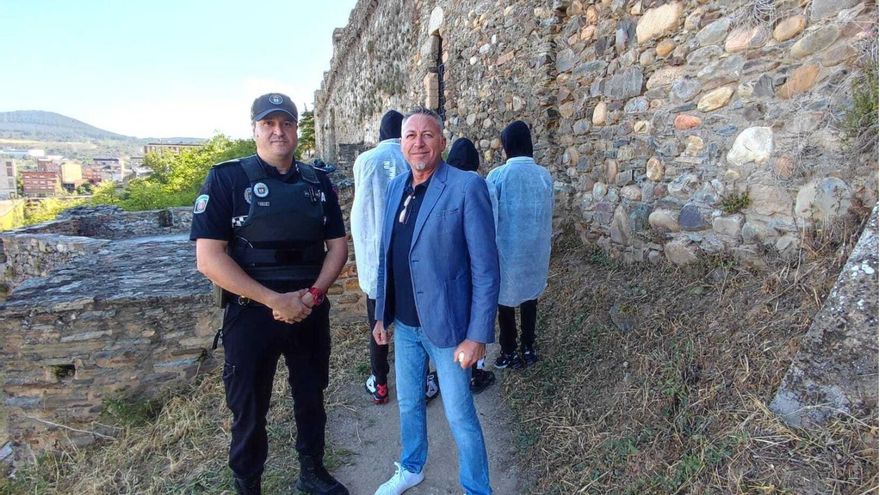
(453, 258)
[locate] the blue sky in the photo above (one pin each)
(163, 68)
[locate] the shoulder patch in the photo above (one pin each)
(201, 204)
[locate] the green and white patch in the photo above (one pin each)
(201, 204)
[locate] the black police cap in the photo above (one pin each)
(270, 103)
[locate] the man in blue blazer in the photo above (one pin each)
(438, 282)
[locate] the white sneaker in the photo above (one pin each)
(402, 481)
(370, 384)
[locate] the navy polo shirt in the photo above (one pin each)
(404, 303)
(224, 201)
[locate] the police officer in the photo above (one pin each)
(269, 232)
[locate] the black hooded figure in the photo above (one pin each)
(463, 155)
(529, 182)
(517, 140)
(390, 126)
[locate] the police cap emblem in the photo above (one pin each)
(276, 99)
(261, 190)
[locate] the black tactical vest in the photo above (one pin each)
(281, 243)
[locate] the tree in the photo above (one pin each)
(85, 188)
(176, 178)
(306, 147)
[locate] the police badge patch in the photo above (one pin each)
(248, 195)
(261, 190)
(201, 204)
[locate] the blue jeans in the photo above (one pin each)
(412, 348)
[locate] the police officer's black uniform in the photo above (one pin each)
(275, 226)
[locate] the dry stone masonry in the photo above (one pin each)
(673, 130)
(836, 369)
(652, 115)
(107, 304)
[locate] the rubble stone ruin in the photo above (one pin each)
(103, 304)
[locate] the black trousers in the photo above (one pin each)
(507, 325)
(253, 341)
(378, 353)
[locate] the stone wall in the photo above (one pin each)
(133, 319)
(672, 129)
(37, 250)
(26, 256)
(835, 371)
(92, 318)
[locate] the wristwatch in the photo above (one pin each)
(317, 295)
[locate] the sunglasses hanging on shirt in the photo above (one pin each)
(404, 213)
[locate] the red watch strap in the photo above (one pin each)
(317, 295)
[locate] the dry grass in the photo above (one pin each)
(183, 448)
(678, 405)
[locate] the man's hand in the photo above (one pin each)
(308, 299)
(381, 334)
(469, 352)
(289, 307)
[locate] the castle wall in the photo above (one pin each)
(672, 129)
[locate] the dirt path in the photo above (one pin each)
(371, 434)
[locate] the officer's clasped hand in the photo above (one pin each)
(292, 307)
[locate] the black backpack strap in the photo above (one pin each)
(308, 173)
(253, 169)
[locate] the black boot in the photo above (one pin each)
(248, 486)
(314, 479)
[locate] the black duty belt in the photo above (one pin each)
(243, 301)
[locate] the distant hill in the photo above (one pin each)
(50, 126)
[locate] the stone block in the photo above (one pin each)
(729, 226)
(626, 84)
(754, 144)
(715, 99)
(769, 200)
(681, 252)
(663, 220)
(745, 38)
(823, 200)
(658, 21)
(789, 27)
(800, 81)
(690, 218)
(820, 9)
(664, 77)
(815, 41)
(714, 32)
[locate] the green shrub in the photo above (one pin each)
(860, 121)
(734, 202)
